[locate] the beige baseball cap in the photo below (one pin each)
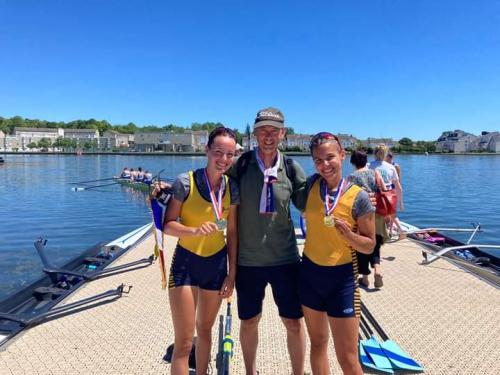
(269, 117)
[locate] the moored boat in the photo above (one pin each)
(468, 256)
(41, 300)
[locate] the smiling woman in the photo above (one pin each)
(339, 218)
(203, 207)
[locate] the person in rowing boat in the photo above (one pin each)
(340, 218)
(366, 179)
(133, 174)
(140, 175)
(125, 173)
(268, 252)
(148, 178)
(203, 206)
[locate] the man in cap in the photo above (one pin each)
(268, 251)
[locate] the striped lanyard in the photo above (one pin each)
(216, 202)
(329, 205)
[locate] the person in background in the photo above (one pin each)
(365, 178)
(340, 218)
(389, 180)
(133, 174)
(125, 173)
(140, 175)
(390, 159)
(268, 252)
(203, 270)
(148, 178)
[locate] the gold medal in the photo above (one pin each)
(221, 224)
(328, 221)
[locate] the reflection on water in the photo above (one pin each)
(36, 200)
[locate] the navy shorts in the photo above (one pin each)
(332, 289)
(191, 269)
(251, 283)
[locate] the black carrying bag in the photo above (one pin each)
(192, 357)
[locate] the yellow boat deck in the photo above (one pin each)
(447, 319)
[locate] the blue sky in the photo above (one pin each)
(375, 68)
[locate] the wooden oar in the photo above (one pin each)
(86, 182)
(81, 188)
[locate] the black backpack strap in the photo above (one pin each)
(310, 181)
(289, 168)
(242, 164)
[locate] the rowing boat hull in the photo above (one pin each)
(26, 303)
(134, 185)
(490, 272)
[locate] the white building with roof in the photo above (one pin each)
(249, 145)
(10, 143)
(485, 142)
(456, 141)
(374, 142)
(348, 141)
(112, 139)
(150, 141)
(32, 135)
(301, 141)
(494, 143)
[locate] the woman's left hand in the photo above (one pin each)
(343, 227)
(227, 288)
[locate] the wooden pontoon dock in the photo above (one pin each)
(445, 318)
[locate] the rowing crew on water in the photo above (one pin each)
(138, 175)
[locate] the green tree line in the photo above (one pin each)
(7, 125)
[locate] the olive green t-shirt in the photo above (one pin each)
(268, 239)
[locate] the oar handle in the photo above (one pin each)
(363, 325)
(374, 322)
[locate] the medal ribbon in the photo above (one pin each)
(266, 205)
(329, 208)
(216, 202)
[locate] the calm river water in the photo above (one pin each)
(36, 200)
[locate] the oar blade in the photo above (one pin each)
(158, 211)
(367, 362)
(376, 354)
(399, 358)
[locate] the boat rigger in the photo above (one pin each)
(44, 299)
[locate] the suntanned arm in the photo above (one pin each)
(173, 228)
(364, 240)
(399, 193)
